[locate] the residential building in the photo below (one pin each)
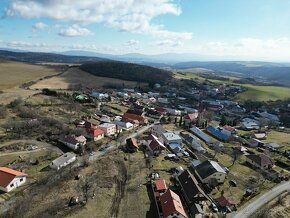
(108, 128)
(229, 130)
(160, 185)
(249, 124)
(190, 119)
(72, 141)
(11, 179)
(193, 142)
(124, 125)
(206, 138)
(155, 145)
(132, 145)
(171, 205)
(133, 118)
(170, 137)
(96, 133)
(261, 161)
(190, 188)
(158, 130)
(210, 171)
(63, 161)
(217, 133)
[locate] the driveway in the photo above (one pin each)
(262, 200)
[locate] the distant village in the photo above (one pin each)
(210, 138)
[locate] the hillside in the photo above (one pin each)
(274, 72)
(39, 57)
(127, 71)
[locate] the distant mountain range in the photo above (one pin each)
(274, 72)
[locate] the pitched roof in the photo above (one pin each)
(223, 201)
(171, 203)
(261, 159)
(132, 142)
(229, 128)
(190, 186)
(155, 144)
(191, 116)
(69, 139)
(207, 168)
(217, 133)
(160, 185)
(96, 132)
(132, 117)
(7, 175)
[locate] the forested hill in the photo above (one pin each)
(40, 57)
(127, 71)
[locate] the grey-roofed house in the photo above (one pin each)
(210, 171)
(170, 137)
(62, 161)
(191, 189)
(193, 142)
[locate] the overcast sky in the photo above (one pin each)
(247, 29)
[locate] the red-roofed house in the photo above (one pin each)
(96, 133)
(224, 202)
(11, 179)
(171, 205)
(160, 185)
(229, 130)
(190, 118)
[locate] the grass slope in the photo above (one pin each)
(14, 74)
(264, 93)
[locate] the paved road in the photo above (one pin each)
(262, 200)
(109, 147)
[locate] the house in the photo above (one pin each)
(175, 147)
(158, 130)
(91, 123)
(139, 112)
(96, 133)
(260, 160)
(206, 138)
(240, 149)
(163, 100)
(210, 171)
(155, 145)
(260, 136)
(161, 110)
(62, 161)
(190, 118)
(190, 188)
(154, 114)
(124, 125)
(271, 117)
(173, 112)
(170, 137)
(160, 186)
(229, 130)
(11, 179)
(132, 145)
(192, 142)
(72, 141)
(254, 142)
(223, 202)
(218, 134)
(108, 128)
(171, 205)
(133, 118)
(249, 124)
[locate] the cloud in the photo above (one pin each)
(39, 26)
(125, 15)
(74, 30)
(132, 42)
(168, 42)
(23, 44)
(278, 48)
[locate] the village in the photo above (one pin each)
(204, 153)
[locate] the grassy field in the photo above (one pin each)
(75, 76)
(14, 74)
(254, 92)
(264, 93)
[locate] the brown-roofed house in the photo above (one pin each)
(261, 161)
(191, 189)
(155, 145)
(171, 205)
(132, 145)
(11, 179)
(133, 118)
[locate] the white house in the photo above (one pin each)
(249, 124)
(124, 125)
(72, 141)
(63, 161)
(11, 179)
(170, 137)
(209, 171)
(108, 128)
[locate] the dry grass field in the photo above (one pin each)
(75, 76)
(13, 74)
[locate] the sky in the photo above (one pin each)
(237, 29)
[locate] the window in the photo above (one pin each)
(12, 185)
(21, 180)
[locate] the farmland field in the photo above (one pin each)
(75, 76)
(14, 74)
